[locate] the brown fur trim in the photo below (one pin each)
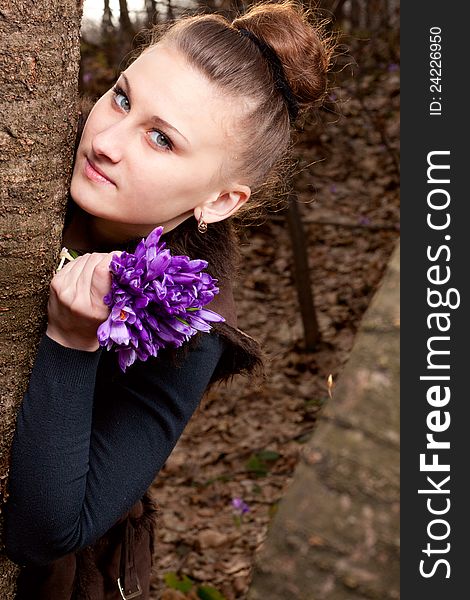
(243, 356)
(97, 566)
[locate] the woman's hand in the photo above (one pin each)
(76, 307)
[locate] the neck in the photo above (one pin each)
(86, 232)
(77, 234)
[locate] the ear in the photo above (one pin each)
(225, 205)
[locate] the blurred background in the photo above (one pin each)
(321, 260)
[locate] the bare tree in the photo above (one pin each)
(151, 9)
(126, 25)
(364, 14)
(170, 15)
(107, 27)
(39, 61)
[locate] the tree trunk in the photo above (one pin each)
(170, 15)
(126, 25)
(151, 9)
(107, 28)
(39, 61)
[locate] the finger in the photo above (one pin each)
(71, 267)
(64, 283)
(102, 278)
(95, 282)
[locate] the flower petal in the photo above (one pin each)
(156, 300)
(119, 333)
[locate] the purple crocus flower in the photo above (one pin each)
(156, 301)
(240, 505)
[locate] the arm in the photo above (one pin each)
(77, 466)
(89, 439)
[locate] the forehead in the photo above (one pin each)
(164, 84)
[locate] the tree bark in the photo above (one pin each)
(39, 62)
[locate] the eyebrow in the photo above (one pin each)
(158, 121)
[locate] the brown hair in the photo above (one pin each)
(235, 65)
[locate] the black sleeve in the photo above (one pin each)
(90, 440)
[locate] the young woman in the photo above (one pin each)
(189, 137)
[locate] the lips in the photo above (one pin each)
(95, 174)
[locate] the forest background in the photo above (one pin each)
(243, 444)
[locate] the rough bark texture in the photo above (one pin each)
(39, 61)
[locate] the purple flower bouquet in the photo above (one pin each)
(156, 301)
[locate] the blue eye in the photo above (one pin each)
(159, 139)
(156, 137)
(121, 99)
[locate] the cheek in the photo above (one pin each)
(96, 121)
(84, 140)
(202, 173)
(175, 177)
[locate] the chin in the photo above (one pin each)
(79, 198)
(84, 199)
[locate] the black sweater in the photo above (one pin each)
(90, 440)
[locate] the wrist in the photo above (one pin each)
(72, 341)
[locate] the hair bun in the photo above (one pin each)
(300, 42)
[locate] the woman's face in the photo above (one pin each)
(152, 149)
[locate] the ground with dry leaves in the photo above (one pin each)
(348, 190)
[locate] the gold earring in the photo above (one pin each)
(201, 224)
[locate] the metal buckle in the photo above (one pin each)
(130, 594)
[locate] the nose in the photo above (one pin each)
(109, 142)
